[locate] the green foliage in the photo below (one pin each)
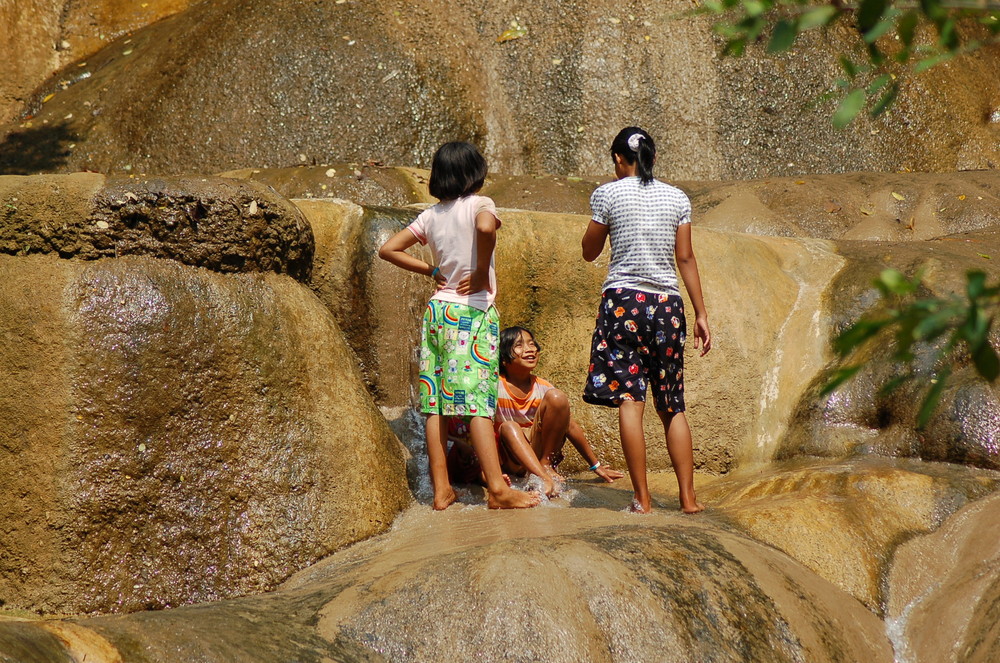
(951, 324)
(887, 39)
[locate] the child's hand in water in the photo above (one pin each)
(474, 282)
(608, 474)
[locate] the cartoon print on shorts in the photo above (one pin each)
(459, 360)
(630, 354)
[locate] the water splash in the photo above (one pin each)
(896, 627)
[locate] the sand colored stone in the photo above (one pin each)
(949, 582)
(175, 435)
(844, 519)
(368, 82)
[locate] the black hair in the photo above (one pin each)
(644, 156)
(458, 169)
(508, 337)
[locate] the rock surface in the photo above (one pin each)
(861, 508)
(949, 582)
(368, 81)
(552, 584)
(218, 224)
(41, 37)
(189, 436)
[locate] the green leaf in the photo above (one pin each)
(848, 66)
(849, 108)
(933, 9)
(879, 29)
(878, 84)
(858, 333)
(907, 27)
(987, 364)
(839, 377)
(885, 100)
(932, 61)
(783, 37)
(755, 7)
(894, 384)
(895, 282)
(933, 398)
(976, 285)
(870, 12)
(817, 17)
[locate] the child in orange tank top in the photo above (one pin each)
(532, 417)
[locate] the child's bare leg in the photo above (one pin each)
(517, 445)
(634, 446)
(437, 456)
(679, 445)
(501, 496)
(548, 434)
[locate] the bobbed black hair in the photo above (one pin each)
(458, 170)
(508, 337)
(644, 156)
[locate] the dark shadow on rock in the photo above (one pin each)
(36, 150)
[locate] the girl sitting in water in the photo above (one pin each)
(532, 419)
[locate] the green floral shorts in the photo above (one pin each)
(459, 360)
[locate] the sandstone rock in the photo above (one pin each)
(948, 582)
(588, 585)
(368, 81)
(857, 418)
(173, 435)
(42, 37)
(844, 519)
(219, 224)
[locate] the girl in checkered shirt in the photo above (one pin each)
(640, 332)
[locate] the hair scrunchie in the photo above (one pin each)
(633, 142)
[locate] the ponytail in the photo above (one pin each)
(636, 147)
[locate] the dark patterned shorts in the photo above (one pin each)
(639, 338)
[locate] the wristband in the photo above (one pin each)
(593, 468)
(434, 272)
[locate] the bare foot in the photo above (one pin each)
(695, 508)
(552, 486)
(506, 479)
(513, 499)
(444, 498)
(552, 473)
(636, 507)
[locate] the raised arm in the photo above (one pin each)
(593, 240)
(486, 241)
(687, 265)
(394, 251)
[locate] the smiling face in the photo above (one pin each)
(524, 354)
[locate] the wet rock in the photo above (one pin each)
(378, 305)
(944, 589)
(857, 418)
(219, 224)
(42, 37)
(844, 520)
(367, 81)
(588, 585)
(189, 436)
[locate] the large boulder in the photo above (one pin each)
(844, 520)
(944, 589)
(42, 37)
(369, 81)
(588, 585)
(171, 433)
(219, 224)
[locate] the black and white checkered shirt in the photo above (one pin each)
(642, 221)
